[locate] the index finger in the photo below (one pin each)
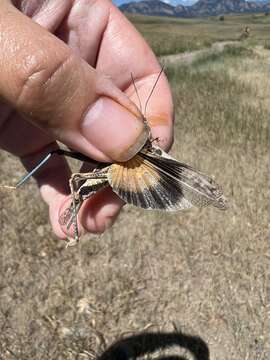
(116, 49)
(124, 51)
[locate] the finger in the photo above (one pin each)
(52, 179)
(100, 211)
(44, 80)
(97, 214)
(157, 108)
(140, 60)
(117, 49)
(49, 14)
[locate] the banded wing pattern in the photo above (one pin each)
(154, 180)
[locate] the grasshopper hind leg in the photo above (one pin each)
(75, 207)
(70, 214)
(82, 186)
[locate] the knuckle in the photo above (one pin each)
(31, 74)
(37, 78)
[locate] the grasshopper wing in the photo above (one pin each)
(154, 180)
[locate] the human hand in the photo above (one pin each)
(65, 75)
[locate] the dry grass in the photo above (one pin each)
(165, 286)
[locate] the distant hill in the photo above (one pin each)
(149, 7)
(200, 8)
(218, 7)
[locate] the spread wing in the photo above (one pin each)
(154, 180)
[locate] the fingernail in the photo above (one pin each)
(114, 130)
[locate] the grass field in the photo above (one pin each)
(172, 35)
(194, 285)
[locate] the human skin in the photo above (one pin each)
(65, 75)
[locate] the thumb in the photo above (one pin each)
(58, 91)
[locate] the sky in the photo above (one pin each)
(172, 2)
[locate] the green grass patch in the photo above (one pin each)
(163, 45)
(228, 53)
(176, 35)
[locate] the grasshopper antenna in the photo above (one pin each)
(136, 90)
(153, 88)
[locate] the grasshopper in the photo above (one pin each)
(151, 180)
